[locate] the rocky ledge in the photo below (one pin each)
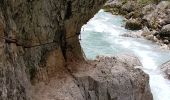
(107, 78)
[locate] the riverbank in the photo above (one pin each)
(106, 78)
(102, 35)
(150, 17)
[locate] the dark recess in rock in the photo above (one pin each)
(69, 10)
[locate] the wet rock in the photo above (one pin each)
(164, 46)
(165, 41)
(155, 39)
(166, 69)
(133, 24)
(165, 31)
(136, 34)
(130, 35)
(146, 32)
(150, 37)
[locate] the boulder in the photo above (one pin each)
(166, 69)
(157, 16)
(148, 9)
(133, 14)
(129, 6)
(163, 5)
(150, 37)
(166, 41)
(115, 78)
(133, 24)
(165, 31)
(146, 32)
(106, 78)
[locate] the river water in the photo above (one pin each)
(102, 36)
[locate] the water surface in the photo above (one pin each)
(102, 36)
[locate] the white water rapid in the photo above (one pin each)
(102, 36)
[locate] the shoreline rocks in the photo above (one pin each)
(133, 24)
(106, 78)
(152, 18)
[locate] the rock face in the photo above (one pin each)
(39, 46)
(36, 38)
(166, 69)
(107, 78)
(158, 15)
(133, 24)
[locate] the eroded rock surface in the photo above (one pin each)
(36, 39)
(107, 78)
(38, 45)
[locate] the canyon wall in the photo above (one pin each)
(37, 37)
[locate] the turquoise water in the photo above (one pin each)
(102, 36)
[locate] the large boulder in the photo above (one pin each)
(166, 69)
(163, 5)
(129, 6)
(148, 9)
(115, 78)
(107, 78)
(133, 24)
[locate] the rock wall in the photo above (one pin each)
(37, 37)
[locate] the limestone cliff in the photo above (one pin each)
(37, 37)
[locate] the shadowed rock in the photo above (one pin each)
(36, 22)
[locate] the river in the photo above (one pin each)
(102, 36)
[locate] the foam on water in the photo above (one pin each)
(102, 36)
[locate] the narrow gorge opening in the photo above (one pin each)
(42, 59)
